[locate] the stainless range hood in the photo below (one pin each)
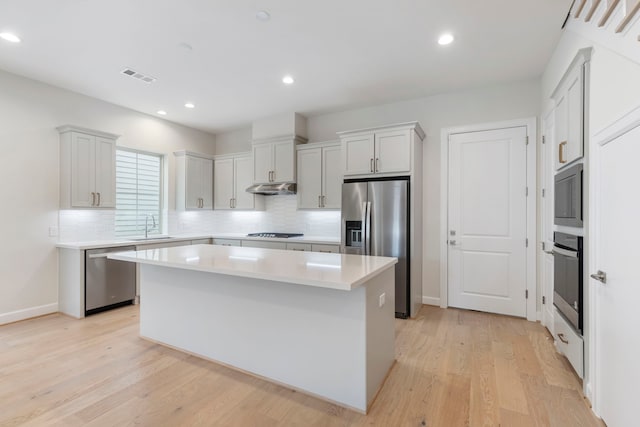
(273, 189)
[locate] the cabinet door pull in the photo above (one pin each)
(324, 201)
(377, 161)
(563, 339)
(561, 158)
(98, 198)
(371, 165)
(93, 199)
(319, 201)
(326, 252)
(273, 176)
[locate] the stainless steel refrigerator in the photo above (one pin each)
(375, 221)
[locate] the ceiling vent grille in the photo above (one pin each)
(136, 75)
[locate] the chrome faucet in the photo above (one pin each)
(146, 225)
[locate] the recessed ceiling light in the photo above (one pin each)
(445, 39)
(10, 37)
(288, 80)
(189, 105)
(162, 112)
(263, 16)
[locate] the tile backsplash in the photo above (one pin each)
(280, 215)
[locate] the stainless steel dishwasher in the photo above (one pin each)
(108, 283)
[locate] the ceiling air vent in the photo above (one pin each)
(136, 75)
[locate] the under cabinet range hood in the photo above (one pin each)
(273, 189)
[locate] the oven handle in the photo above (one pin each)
(560, 251)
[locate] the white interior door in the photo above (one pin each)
(487, 221)
(617, 342)
(546, 222)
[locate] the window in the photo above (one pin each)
(138, 192)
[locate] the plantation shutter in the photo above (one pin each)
(138, 192)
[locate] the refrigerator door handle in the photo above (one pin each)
(368, 230)
(364, 228)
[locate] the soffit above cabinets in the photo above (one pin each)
(230, 65)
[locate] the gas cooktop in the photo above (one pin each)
(277, 235)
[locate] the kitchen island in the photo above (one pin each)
(315, 322)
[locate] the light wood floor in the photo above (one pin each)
(454, 368)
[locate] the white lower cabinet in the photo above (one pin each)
(306, 247)
(334, 249)
(201, 242)
(227, 242)
(264, 245)
(569, 343)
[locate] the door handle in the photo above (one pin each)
(234, 203)
(562, 338)
(561, 158)
(600, 276)
(371, 164)
(93, 199)
(377, 162)
(319, 201)
(452, 242)
(324, 200)
(230, 203)
(98, 198)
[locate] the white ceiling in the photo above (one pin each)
(342, 53)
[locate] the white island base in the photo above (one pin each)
(331, 343)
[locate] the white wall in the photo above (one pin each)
(235, 141)
(497, 103)
(29, 176)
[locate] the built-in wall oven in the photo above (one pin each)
(568, 281)
(568, 197)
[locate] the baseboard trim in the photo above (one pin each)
(28, 313)
(431, 301)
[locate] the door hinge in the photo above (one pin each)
(544, 299)
(526, 242)
(543, 139)
(526, 294)
(543, 192)
(526, 140)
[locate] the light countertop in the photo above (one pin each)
(332, 271)
(112, 243)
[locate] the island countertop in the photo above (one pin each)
(325, 270)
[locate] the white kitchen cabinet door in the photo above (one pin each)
(310, 178)
(570, 111)
(358, 154)
(301, 247)
(83, 155)
(263, 244)
(331, 177)
(262, 162)
(392, 151)
(575, 119)
(243, 167)
(105, 172)
(223, 184)
(283, 162)
(333, 249)
(193, 182)
(207, 184)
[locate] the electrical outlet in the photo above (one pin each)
(382, 299)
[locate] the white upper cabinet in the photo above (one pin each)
(87, 168)
(194, 181)
(233, 174)
(319, 176)
(570, 110)
(386, 150)
(274, 159)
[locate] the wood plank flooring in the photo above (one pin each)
(454, 368)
